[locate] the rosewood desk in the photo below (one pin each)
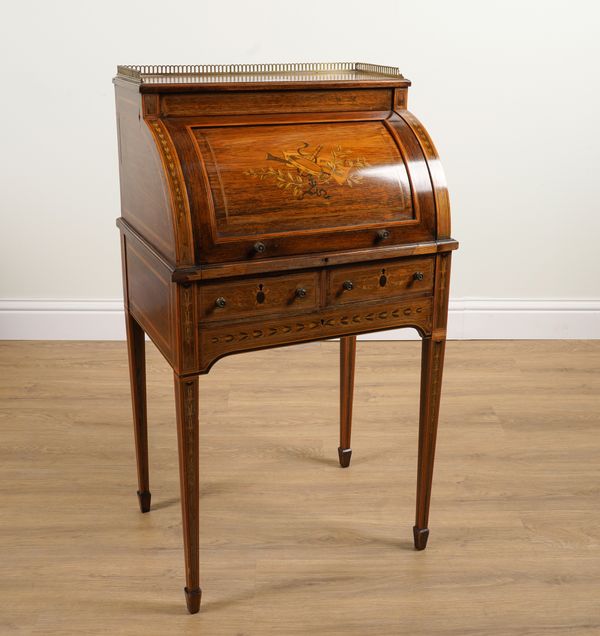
(267, 205)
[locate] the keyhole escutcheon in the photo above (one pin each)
(383, 279)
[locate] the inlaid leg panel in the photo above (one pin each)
(186, 404)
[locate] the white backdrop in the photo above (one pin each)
(508, 89)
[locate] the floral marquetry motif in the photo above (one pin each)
(307, 171)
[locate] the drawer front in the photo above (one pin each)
(385, 280)
(258, 296)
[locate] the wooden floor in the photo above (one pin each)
(290, 542)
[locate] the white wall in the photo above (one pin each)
(508, 89)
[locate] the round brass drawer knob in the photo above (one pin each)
(220, 302)
(348, 285)
(418, 276)
(300, 292)
(259, 247)
(383, 235)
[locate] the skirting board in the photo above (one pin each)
(472, 319)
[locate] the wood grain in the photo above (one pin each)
(136, 350)
(150, 296)
(242, 103)
(259, 296)
(332, 190)
(186, 409)
(303, 178)
(290, 543)
(145, 201)
(218, 340)
(388, 279)
(347, 366)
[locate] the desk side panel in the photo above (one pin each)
(145, 198)
(150, 295)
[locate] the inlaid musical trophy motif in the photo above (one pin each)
(308, 171)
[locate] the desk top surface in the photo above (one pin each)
(265, 75)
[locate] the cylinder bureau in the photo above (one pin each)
(268, 205)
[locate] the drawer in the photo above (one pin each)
(257, 296)
(384, 280)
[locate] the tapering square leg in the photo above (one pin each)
(186, 403)
(347, 362)
(136, 348)
(432, 363)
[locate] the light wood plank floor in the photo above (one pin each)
(290, 543)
